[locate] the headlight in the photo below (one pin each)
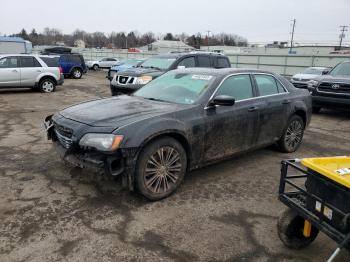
(312, 84)
(142, 80)
(102, 142)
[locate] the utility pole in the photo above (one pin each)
(291, 41)
(208, 32)
(343, 29)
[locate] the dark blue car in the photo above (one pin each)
(73, 65)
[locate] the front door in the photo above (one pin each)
(9, 72)
(232, 129)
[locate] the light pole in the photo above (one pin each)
(291, 41)
(208, 32)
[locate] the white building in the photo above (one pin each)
(165, 46)
(79, 43)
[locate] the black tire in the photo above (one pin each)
(47, 85)
(77, 73)
(290, 230)
(316, 109)
(292, 135)
(95, 67)
(160, 169)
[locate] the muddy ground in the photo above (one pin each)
(225, 212)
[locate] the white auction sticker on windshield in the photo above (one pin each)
(202, 77)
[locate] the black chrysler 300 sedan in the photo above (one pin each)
(183, 120)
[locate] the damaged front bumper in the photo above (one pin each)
(70, 152)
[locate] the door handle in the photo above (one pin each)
(14, 70)
(252, 109)
(285, 102)
(39, 71)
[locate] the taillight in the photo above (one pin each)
(61, 70)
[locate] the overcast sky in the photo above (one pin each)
(257, 20)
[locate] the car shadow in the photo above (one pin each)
(16, 90)
(338, 113)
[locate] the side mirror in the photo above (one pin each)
(181, 67)
(325, 72)
(222, 100)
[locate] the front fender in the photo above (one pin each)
(138, 136)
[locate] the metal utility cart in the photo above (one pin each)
(317, 192)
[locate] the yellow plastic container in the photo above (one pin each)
(335, 168)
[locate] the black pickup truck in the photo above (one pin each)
(134, 78)
(331, 89)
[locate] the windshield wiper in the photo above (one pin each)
(153, 67)
(155, 99)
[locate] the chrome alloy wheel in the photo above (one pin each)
(294, 134)
(162, 170)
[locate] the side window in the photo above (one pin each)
(75, 59)
(8, 62)
(222, 62)
(204, 61)
(237, 86)
(104, 59)
(29, 61)
(281, 89)
(188, 62)
(266, 85)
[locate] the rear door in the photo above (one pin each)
(10, 74)
(232, 129)
(30, 69)
(222, 62)
(272, 117)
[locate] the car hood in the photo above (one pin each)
(333, 79)
(305, 76)
(121, 67)
(118, 111)
(139, 71)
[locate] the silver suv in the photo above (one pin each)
(35, 71)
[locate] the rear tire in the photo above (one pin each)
(160, 169)
(316, 109)
(290, 230)
(292, 135)
(77, 73)
(47, 85)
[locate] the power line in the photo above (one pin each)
(343, 29)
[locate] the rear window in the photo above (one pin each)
(204, 61)
(51, 61)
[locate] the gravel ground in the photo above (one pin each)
(224, 212)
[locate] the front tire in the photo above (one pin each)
(47, 85)
(292, 135)
(95, 67)
(161, 167)
(77, 73)
(290, 230)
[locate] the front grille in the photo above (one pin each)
(64, 135)
(334, 88)
(125, 80)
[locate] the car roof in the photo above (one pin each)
(221, 71)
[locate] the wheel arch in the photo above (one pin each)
(47, 77)
(302, 114)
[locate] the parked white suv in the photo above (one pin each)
(107, 62)
(35, 71)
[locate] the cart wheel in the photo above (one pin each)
(290, 230)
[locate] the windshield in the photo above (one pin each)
(342, 69)
(313, 71)
(158, 62)
(176, 87)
